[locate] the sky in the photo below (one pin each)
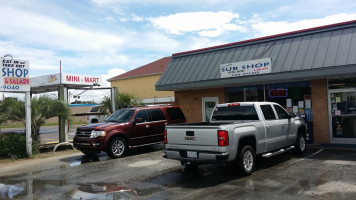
(109, 37)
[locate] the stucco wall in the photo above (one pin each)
(143, 87)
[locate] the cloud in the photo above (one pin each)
(209, 24)
(265, 28)
(111, 73)
(34, 29)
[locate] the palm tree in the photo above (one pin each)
(122, 100)
(42, 108)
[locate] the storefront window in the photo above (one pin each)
(294, 97)
(343, 107)
(247, 93)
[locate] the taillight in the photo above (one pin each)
(223, 138)
(165, 136)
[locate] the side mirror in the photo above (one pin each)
(138, 120)
(292, 115)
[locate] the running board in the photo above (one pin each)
(145, 144)
(267, 155)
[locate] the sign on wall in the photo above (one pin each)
(246, 68)
(15, 76)
(80, 79)
(278, 93)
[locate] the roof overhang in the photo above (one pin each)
(329, 72)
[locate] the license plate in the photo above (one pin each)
(192, 154)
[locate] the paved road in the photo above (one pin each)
(144, 174)
(48, 134)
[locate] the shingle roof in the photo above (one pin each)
(320, 52)
(156, 67)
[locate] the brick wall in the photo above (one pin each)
(320, 111)
(190, 101)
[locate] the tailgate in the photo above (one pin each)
(206, 136)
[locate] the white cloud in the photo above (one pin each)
(210, 24)
(265, 28)
(132, 17)
(41, 30)
(111, 73)
(39, 59)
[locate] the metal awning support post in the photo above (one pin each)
(113, 97)
(28, 123)
(63, 124)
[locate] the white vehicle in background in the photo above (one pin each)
(99, 118)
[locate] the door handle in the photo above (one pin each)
(268, 126)
(283, 124)
(147, 126)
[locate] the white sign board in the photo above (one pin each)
(68, 79)
(246, 68)
(15, 76)
(80, 79)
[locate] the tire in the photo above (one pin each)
(299, 145)
(246, 160)
(117, 147)
(190, 166)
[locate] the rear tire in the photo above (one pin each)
(246, 160)
(117, 147)
(300, 145)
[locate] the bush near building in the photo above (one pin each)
(14, 145)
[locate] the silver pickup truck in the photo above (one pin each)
(237, 132)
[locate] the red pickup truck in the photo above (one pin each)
(127, 128)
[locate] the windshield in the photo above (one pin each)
(121, 116)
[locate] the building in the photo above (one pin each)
(141, 82)
(311, 71)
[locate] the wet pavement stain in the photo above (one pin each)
(277, 178)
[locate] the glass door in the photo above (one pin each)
(342, 117)
(208, 104)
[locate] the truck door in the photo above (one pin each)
(158, 123)
(274, 129)
(141, 132)
(286, 123)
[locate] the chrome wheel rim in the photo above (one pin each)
(118, 147)
(302, 144)
(248, 160)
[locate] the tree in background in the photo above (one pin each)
(42, 108)
(122, 100)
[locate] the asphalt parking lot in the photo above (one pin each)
(144, 174)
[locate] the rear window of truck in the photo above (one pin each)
(235, 113)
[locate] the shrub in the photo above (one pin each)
(15, 144)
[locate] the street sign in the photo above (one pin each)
(15, 76)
